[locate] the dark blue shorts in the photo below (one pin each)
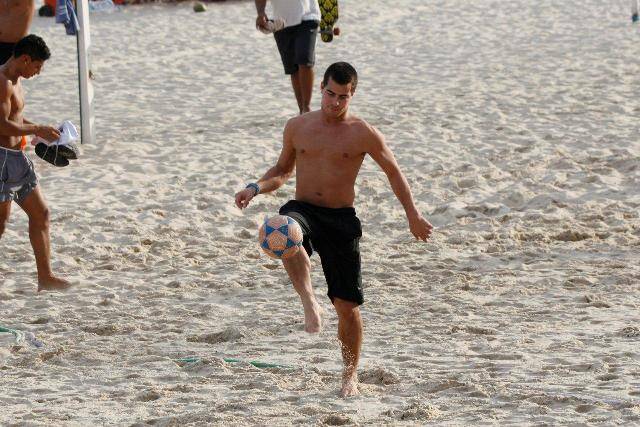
(335, 235)
(297, 45)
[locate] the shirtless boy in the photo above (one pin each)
(18, 181)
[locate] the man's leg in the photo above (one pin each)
(350, 335)
(5, 211)
(304, 56)
(297, 90)
(305, 80)
(36, 209)
(298, 267)
(302, 83)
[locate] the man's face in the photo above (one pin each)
(31, 67)
(335, 98)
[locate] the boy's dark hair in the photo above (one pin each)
(342, 73)
(33, 46)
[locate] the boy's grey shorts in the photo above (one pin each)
(17, 175)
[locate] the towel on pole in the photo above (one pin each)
(66, 14)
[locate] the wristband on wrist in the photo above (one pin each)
(255, 187)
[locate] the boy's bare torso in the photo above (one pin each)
(16, 98)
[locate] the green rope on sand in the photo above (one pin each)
(255, 363)
(258, 364)
(17, 334)
(21, 336)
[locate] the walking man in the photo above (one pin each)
(296, 42)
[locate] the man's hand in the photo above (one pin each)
(244, 197)
(261, 20)
(420, 227)
(47, 132)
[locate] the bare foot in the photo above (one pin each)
(52, 283)
(313, 319)
(349, 386)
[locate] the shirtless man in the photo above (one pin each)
(15, 20)
(327, 148)
(18, 181)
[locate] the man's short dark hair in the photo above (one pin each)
(33, 46)
(342, 73)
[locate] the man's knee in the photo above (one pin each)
(40, 218)
(300, 258)
(346, 309)
(304, 69)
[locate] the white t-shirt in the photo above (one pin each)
(295, 11)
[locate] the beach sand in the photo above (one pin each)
(517, 126)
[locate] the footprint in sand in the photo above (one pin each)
(607, 377)
(584, 408)
(228, 335)
(310, 410)
(245, 234)
(572, 236)
(40, 321)
(596, 301)
(148, 396)
(378, 376)
(630, 332)
(102, 330)
(337, 420)
(477, 330)
(232, 407)
(416, 411)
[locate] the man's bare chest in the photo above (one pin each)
(324, 147)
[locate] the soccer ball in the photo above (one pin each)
(280, 236)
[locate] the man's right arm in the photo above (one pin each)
(275, 176)
(261, 6)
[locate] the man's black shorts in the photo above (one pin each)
(297, 45)
(6, 51)
(335, 234)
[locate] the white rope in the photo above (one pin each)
(6, 154)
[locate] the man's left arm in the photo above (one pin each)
(380, 152)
